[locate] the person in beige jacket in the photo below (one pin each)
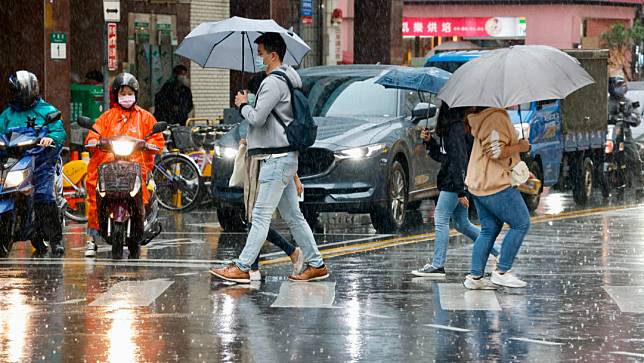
(495, 152)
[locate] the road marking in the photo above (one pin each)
(376, 316)
(69, 302)
(305, 295)
(188, 274)
(628, 354)
(448, 327)
(628, 298)
(537, 341)
(139, 263)
(400, 241)
(455, 297)
(132, 293)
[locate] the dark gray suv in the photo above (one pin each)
(368, 157)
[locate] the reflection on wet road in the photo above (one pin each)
(584, 267)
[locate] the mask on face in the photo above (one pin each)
(183, 80)
(251, 99)
(259, 64)
(127, 101)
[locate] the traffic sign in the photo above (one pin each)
(58, 45)
(112, 11)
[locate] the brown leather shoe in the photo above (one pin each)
(311, 274)
(231, 273)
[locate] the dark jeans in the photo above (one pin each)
(275, 238)
(494, 210)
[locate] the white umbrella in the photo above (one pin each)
(229, 44)
(513, 76)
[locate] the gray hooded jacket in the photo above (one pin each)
(265, 134)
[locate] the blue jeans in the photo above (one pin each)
(275, 238)
(508, 207)
(446, 207)
(277, 191)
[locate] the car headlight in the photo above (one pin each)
(225, 152)
(362, 152)
(15, 178)
(123, 147)
(526, 130)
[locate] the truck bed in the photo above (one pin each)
(585, 112)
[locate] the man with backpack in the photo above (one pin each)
(280, 125)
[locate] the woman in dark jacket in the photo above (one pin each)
(452, 149)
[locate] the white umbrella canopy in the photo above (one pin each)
(513, 76)
(229, 44)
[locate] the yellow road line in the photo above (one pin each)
(424, 237)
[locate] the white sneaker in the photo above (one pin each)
(255, 275)
(508, 279)
(90, 249)
(480, 284)
(298, 264)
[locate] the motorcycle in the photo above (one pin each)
(615, 175)
(18, 150)
(122, 217)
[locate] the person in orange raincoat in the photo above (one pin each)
(125, 119)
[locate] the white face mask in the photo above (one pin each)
(127, 101)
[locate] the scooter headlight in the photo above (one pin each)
(123, 147)
(15, 178)
(137, 186)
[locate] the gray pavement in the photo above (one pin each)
(584, 300)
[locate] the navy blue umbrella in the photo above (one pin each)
(426, 79)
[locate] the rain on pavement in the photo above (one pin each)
(583, 302)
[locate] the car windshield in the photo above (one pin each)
(349, 96)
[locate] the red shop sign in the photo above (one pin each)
(112, 61)
(464, 27)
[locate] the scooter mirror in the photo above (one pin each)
(86, 123)
(158, 127)
(52, 117)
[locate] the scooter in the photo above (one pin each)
(18, 150)
(615, 175)
(122, 217)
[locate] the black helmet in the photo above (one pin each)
(24, 88)
(615, 83)
(125, 79)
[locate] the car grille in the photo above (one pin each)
(118, 177)
(315, 161)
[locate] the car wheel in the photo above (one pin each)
(391, 218)
(231, 220)
(312, 218)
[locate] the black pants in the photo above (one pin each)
(47, 224)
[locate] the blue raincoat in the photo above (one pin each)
(45, 163)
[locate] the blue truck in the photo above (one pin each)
(567, 136)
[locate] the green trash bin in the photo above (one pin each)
(86, 100)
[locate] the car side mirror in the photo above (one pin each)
(158, 128)
(53, 117)
(423, 111)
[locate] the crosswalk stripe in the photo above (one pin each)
(305, 295)
(132, 293)
(456, 297)
(628, 298)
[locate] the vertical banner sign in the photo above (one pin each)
(306, 11)
(58, 45)
(112, 60)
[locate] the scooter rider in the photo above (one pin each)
(27, 103)
(617, 89)
(125, 119)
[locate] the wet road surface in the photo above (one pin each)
(584, 300)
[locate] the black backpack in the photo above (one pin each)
(302, 131)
